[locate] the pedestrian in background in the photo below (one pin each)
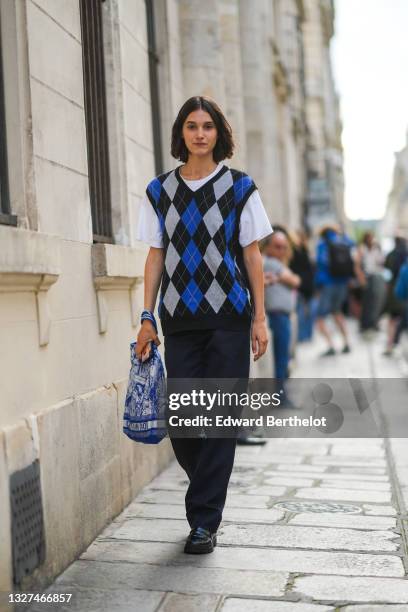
(334, 269)
(301, 264)
(199, 220)
(401, 289)
(394, 307)
(370, 273)
(280, 299)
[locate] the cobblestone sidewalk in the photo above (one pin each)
(310, 525)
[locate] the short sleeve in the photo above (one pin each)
(277, 267)
(148, 228)
(254, 222)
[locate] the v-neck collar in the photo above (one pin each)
(181, 181)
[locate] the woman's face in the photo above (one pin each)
(199, 133)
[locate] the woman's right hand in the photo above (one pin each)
(146, 335)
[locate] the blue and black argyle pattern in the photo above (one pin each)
(203, 283)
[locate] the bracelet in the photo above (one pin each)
(147, 315)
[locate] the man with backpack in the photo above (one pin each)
(401, 289)
(394, 305)
(334, 268)
(401, 285)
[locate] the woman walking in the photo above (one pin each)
(203, 222)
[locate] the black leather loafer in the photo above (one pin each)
(251, 441)
(200, 541)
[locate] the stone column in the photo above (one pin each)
(201, 55)
(262, 150)
(231, 52)
(294, 117)
(168, 48)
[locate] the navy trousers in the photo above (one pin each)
(208, 462)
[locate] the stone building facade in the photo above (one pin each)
(325, 182)
(85, 120)
(396, 214)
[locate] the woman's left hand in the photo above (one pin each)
(259, 338)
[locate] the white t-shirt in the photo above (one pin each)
(254, 222)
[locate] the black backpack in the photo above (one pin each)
(341, 264)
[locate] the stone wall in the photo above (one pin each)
(68, 308)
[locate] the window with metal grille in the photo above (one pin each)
(96, 119)
(5, 213)
(154, 88)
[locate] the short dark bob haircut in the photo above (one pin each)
(225, 145)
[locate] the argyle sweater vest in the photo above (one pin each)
(204, 283)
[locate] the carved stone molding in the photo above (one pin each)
(280, 75)
(116, 268)
(30, 261)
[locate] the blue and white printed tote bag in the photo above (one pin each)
(145, 404)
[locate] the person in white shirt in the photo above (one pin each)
(202, 222)
(370, 273)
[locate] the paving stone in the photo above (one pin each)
(297, 446)
(355, 484)
(358, 450)
(161, 485)
(251, 515)
(336, 476)
(402, 474)
(310, 475)
(329, 476)
(185, 579)
(352, 589)
(374, 608)
(252, 450)
(241, 500)
(343, 494)
(160, 511)
(267, 459)
(362, 470)
(101, 600)
(158, 496)
(234, 604)
(288, 467)
(179, 602)
(147, 530)
(239, 479)
(325, 538)
(399, 450)
(290, 481)
(299, 506)
(379, 510)
(349, 461)
(234, 500)
(404, 493)
(262, 559)
(266, 490)
(351, 521)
